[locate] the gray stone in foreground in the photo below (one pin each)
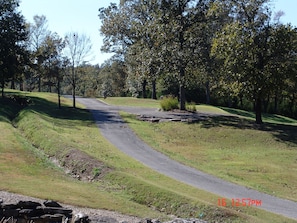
(53, 212)
(30, 211)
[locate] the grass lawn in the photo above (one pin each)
(140, 102)
(132, 101)
(30, 135)
(231, 148)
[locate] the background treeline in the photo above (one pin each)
(222, 52)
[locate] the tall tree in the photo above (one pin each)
(178, 19)
(54, 63)
(38, 33)
(78, 50)
(13, 35)
(130, 31)
(248, 48)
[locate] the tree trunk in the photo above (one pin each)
(39, 83)
(2, 86)
(182, 97)
(73, 95)
(241, 101)
(266, 104)
(22, 86)
(275, 109)
(73, 85)
(59, 93)
(182, 91)
(258, 110)
(154, 93)
(207, 92)
(12, 86)
(144, 83)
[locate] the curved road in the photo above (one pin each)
(118, 133)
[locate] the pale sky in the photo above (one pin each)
(82, 16)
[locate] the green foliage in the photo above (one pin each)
(191, 107)
(169, 103)
(13, 35)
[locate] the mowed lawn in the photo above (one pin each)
(30, 135)
(233, 148)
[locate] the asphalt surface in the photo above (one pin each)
(118, 133)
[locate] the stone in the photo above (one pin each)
(49, 203)
(28, 204)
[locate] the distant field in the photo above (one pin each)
(30, 135)
(131, 101)
(140, 102)
(150, 103)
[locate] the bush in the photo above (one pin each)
(191, 107)
(169, 103)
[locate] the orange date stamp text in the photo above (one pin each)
(239, 202)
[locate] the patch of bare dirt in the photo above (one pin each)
(83, 166)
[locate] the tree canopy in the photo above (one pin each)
(224, 52)
(13, 35)
(234, 47)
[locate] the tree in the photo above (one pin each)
(177, 22)
(13, 35)
(253, 51)
(53, 63)
(130, 31)
(38, 33)
(78, 49)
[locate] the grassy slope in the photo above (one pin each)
(130, 188)
(232, 148)
(262, 160)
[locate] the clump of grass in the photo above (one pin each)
(191, 107)
(169, 103)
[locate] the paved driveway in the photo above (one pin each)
(118, 133)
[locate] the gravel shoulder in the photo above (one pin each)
(96, 215)
(118, 133)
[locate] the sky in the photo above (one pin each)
(82, 16)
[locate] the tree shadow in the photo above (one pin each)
(106, 117)
(285, 133)
(12, 105)
(51, 109)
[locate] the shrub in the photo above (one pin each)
(191, 107)
(169, 103)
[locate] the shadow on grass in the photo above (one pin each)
(265, 116)
(10, 109)
(282, 132)
(239, 112)
(51, 109)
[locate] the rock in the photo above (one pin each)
(53, 204)
(28, 204)
(105, 219)
(49, 212)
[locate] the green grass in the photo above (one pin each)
(30, 135)
(131, 101)
(267, 118)
(140, 102)
(231, 148)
